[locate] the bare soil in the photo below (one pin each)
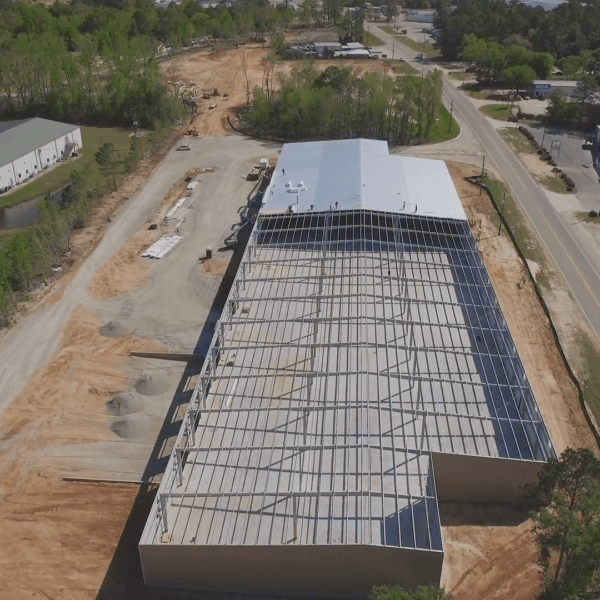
(534, 164)
(214, 267)
(58, 538)
(224, 71)
(490, 551)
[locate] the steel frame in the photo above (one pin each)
(439, 290)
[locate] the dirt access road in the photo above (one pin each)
(74, 403)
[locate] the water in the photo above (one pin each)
(24, 214)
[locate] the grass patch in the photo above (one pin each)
(444, 130)
(521, 145)
(474, 90)
(517, 141)
(388, 29)
(92, 137)
(525, 240)
(369, 39)
(427, 49)
(591, 382)
(403, 68)
(553, 183)
(583, 216)
(497, 111)
(6, 235)
(461, 75)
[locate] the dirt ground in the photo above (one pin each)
(59, 536)
(534, 165)
(489, 549)
(214, 267)
(224, 70)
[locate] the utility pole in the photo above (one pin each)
(501, 213)
(482, 172)
(392, 50)
(450, 122)
(544, 134)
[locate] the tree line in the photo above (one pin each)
(568, 30)
(339, 103)
(94, 61)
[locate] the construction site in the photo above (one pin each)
(364, 384)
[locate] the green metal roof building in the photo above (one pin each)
(29, 146)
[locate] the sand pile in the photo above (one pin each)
(133, 428)
(114, 329)
(151, 384)
(214, 267)
(125, 270)
(123, 404)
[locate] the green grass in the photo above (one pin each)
(583, 216)
(388, 29)
(6, 235)
(526, 241)
(439, 132)
(521, 145)
(461, 75)
(403, 68)
(427, 49)
(92, 139)
(370, 39)
(553, 183)
(474, 90)
(496, 111)
(590, 383)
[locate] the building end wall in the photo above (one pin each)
(462, 478)
(310, 571)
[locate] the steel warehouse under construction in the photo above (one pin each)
(361, 371)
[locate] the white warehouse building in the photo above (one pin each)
(29, 146)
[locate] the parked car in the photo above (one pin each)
(184, 147)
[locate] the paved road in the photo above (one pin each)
(573, 261)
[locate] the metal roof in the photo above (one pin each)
(354, 174)
(22, 137)
(353, 346)
(554, 82)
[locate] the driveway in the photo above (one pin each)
(566, 149)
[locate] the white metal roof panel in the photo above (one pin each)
(359, 174)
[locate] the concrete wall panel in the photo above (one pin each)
(318, 571)
(463, 478)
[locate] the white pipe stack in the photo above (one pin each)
(174, 209)
(162, 247)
